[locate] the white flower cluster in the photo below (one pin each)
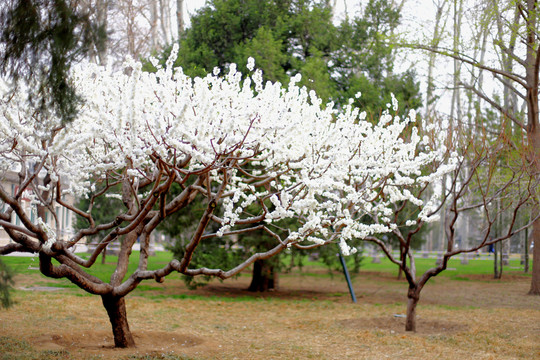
(326, 167)
(51, 234)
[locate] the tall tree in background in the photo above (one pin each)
(438, 27)
(298, 36)
(99, 15)
(364, 61)
(518, 75)
(135, 28)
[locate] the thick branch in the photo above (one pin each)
(81, 279)
(384, 249)
(13, 247)
(23, 230)
(16, 206)
(23, 240)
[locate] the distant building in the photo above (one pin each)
(64, 229)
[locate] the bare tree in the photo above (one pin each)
(438, 27)
(180, 17)
(516, 43)
(478, 185)
(135, 28)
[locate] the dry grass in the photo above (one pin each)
(311, 317)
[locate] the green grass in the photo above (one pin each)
(23, 265)
(455, 269)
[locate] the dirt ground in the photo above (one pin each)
(308, 317)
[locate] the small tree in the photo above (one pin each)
(230, 141)
(477, 184)
(509, 33)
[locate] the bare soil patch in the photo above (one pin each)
(374, 288)
(397, 325)
(101, 342)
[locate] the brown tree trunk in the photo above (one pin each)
(526, 252)
(102, 21)
(402, 259)
(103, 255)
(497, 263)
(154, 17)
(534, 140)
(535, 282)
(430, 96)
(412, 300)
(180, 17)
(533, 130)
(264, 276)
(116, 309)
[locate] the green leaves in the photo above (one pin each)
(40, 40)
(267, 52)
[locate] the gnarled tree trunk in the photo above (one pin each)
(116, 309)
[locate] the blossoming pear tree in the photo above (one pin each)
(232, 140)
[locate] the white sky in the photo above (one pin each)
(424, 8)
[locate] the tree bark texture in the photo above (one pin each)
(116, 309)
(533, 130)
(535, 283)
(264, 277)
(526, 246)
(412, 300)
(534, 139)
(533, 134)
(497, 264)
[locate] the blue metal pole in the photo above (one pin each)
(347, 277)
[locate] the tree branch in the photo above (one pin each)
(462, 57)
(496, 106)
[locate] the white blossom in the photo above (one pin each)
(325, 166)
(250, 63)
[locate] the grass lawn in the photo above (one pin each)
(463, 313)
(476, 266)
